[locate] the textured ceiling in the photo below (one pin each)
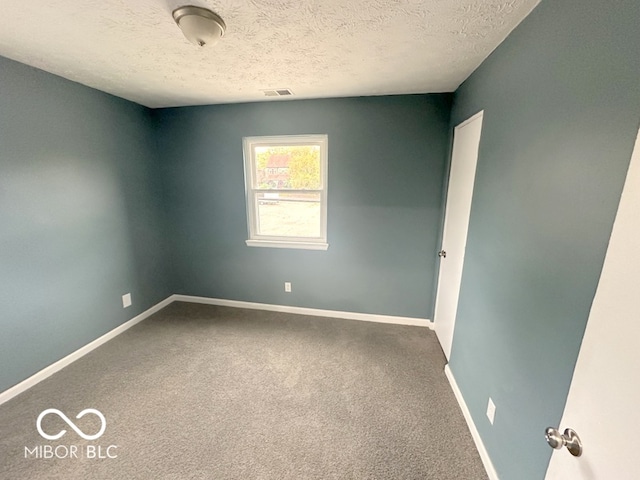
(317, 48)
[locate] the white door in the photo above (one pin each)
(603, 406)
(466, 139)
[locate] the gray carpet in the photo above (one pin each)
(221, 393)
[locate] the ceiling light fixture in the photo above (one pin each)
(200, 26)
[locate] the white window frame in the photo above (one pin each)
(249, 145)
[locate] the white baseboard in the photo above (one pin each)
(484, 455)
(81, 352)
(366, 317)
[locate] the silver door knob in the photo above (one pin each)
(442, 254)
(569, 439)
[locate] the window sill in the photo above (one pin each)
(284, 244)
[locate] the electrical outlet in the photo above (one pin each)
(287, 287)
(491, 410)
(126, 300)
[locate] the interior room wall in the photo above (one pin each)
(387, 157)
(89, 182)
(80, 223)
(561, 100)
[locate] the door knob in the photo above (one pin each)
(569, 439)
(442, 254)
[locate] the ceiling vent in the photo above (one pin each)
(279, 92)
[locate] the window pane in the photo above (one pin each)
(289, 214)
(288, 167)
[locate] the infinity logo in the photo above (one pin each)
(71, 424)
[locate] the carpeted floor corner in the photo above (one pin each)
(205, 392)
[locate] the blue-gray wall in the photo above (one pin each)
(79, 217)
(100, 197)
(562, 106)
(387, 157)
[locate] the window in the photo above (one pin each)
(286, 187)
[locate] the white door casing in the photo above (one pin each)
(464, 158)
(603, 405)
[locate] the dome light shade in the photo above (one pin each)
(200, 26)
